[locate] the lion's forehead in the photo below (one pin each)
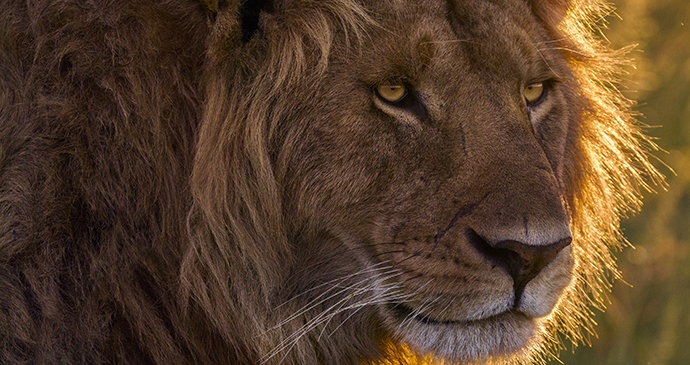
(479, 39)
(481, 19)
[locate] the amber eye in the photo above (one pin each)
(392, 93)
(533, 93)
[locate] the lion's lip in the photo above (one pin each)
(403, 313)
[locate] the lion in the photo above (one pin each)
(308, 181)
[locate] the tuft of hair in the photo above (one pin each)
(236, 227)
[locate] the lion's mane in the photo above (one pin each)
(140, 216)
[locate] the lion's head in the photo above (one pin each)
(443, 175)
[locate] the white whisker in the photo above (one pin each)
(372, 268)
(319, 299)
(371, 285)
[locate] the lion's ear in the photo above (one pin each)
(551, 12)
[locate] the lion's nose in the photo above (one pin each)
(522, 261)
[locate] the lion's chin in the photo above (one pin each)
(463, 341)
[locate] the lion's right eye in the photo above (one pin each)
(533, 93)
(391, 93)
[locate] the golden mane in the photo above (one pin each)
(613, 167)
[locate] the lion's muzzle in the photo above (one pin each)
(521, 260)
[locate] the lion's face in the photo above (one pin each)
(436, 155)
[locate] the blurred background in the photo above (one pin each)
(647, 321)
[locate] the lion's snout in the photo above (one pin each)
(523, 261)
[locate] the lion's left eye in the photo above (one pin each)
(391, 93)
(533, 93)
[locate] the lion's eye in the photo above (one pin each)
(533, 93)
(391, 93)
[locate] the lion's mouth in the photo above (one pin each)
(404, 313)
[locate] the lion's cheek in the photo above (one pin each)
(542, 293)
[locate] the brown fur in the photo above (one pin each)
(218, 182)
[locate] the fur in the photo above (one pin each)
(218, 182)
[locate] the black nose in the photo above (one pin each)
(522, 261)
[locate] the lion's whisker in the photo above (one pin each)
(413, 313)
(366, 271)
(359, 306)
(325, 317)
(443, 311)
(318, 300)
